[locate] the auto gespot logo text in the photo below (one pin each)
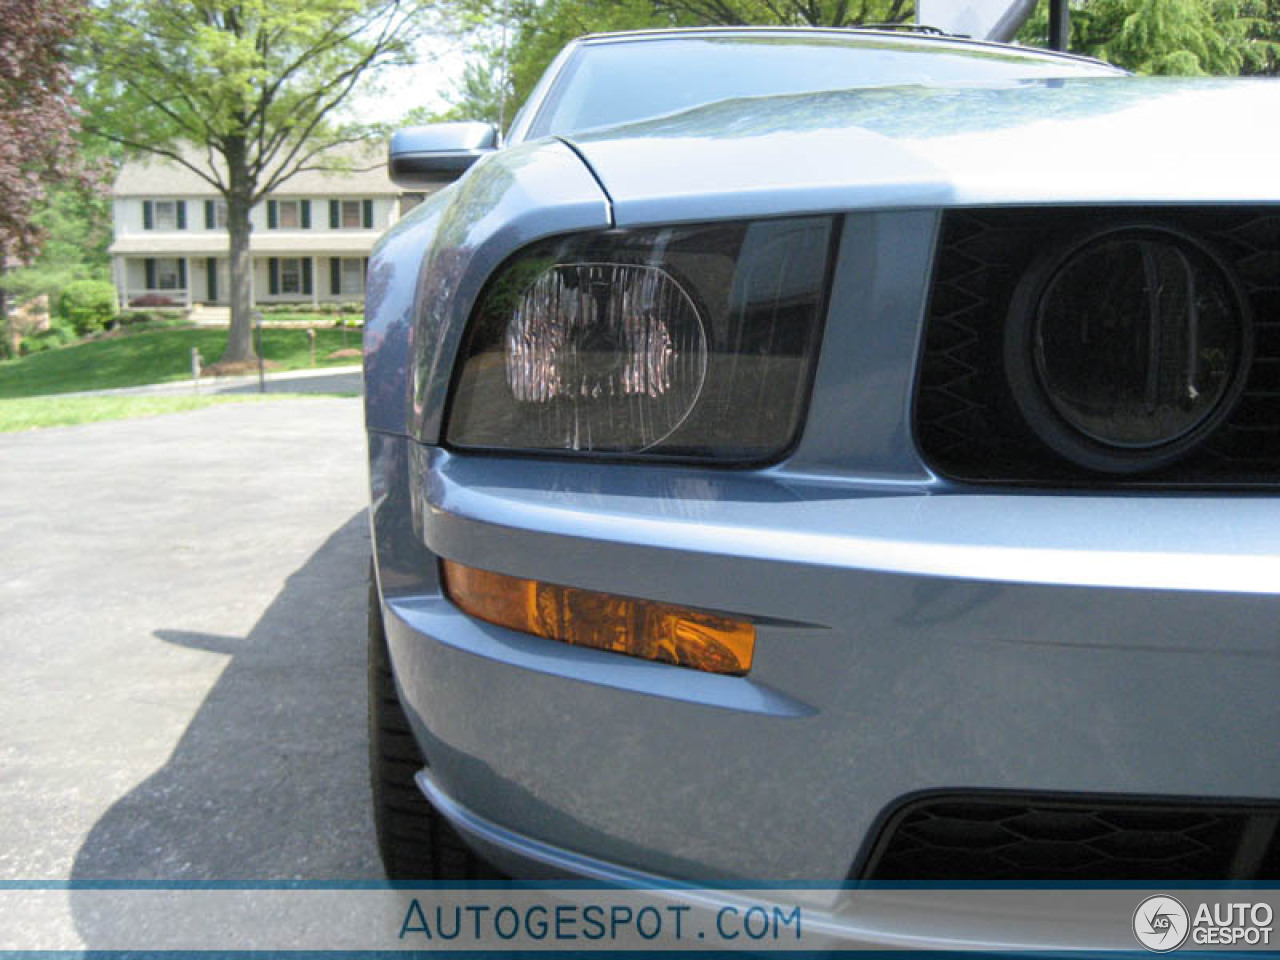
(1162, 924)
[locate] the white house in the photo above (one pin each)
(310, 241)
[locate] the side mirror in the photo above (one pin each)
(439, 153)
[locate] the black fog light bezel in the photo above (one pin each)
(1032, 395)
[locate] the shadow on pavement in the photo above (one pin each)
(269, 780)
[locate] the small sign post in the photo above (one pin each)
(262, 363)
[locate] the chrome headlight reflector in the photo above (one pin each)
(1125, 350)
(692, 342)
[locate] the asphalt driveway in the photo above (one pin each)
(181, 647)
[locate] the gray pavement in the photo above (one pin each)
(182, 647)
(345, 379)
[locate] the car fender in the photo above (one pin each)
(426, 273)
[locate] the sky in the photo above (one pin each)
(440, 64)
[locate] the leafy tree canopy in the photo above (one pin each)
(75, 220)
(1173, 37)
(253, 85)
(38, 119)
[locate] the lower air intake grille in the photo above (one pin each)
(959, 839)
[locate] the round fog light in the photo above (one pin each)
(1126, 350)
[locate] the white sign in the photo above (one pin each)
(980, 19)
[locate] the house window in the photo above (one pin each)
(290, 272)
(219, 215)
(351, 214)
(290, 219)
(168, 273)
(166, 215)
(352, 275)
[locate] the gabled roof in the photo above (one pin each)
(353, 169)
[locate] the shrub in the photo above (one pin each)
(132, 318)
(88, 305)
(154, 300)
(56, 336)
(152, 318)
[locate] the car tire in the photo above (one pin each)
(414, 840)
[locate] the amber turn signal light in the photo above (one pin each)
(602, 621)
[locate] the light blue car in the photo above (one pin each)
(812, 456)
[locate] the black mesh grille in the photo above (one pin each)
(967, 424)
(974, 839)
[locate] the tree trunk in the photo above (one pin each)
(239, 199)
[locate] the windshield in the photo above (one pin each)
(610, 83)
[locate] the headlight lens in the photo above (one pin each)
(1128, 350)
(685, 342)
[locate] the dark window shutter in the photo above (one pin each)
(148, 216)
(368, 214)
(151, 273)
(273, 271)
(273, 215)
(182, 214)
(211, 271)
(306, 214)
(335, 214)
(335, 276)
(209, 218)
(182, 273)
(306, 275)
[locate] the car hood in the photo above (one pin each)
(1094, 140)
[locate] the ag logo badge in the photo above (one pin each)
(1161, 923)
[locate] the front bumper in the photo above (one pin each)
(876, 917)
(910, 639)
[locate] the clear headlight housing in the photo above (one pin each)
(691, 342)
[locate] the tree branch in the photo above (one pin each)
(212, 179)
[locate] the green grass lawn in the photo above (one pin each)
(34, 412)
(155, 356)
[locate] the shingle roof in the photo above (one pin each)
(365, 174)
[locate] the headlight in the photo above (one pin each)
(683, 342)
(1126, 350)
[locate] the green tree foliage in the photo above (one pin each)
(1172, 37)
(38, 123)
(75, 220)
(1162, 37)
(253, 85)
(37, 113)
(87, 305)
(1260, 44)
(795, 13)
